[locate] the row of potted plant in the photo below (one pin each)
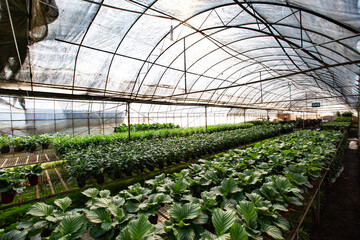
(337, 125)
(12, 180)
(245, 194)
(29, 143)
(144, 127)
(121, 158)
(64, 143)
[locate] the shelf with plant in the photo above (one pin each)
(240, 195)
(127, 158)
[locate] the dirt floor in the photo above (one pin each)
(340, 212)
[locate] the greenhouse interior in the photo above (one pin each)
(179, 120)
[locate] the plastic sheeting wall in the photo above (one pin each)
(187, 51)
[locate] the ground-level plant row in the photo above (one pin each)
(240, 195)
(121, 158)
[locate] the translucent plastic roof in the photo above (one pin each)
(256, 54)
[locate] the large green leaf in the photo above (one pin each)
(237, 232)
(98, 216)
(40, 210)
(223, 220)
(73, 225)
(228, 186)
(63, 203)
(247, 211)
(116, 211)
(91, 192)
(139, 228)
(273, 231)
(282, 223)
(184, 212)
(184, 233)
(14, 235)
(105, 193)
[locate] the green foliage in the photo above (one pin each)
(122, 157)
(223, 207)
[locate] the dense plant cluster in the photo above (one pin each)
(243, 194)
(29, 143)
(65, 142)
(343, 119)
(123, 157)
(337, 125)
(144, 127)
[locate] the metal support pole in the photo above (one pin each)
(11, 120)
(72, 118)
(244, 116)
(116, 116)
(261, 91)
(128, 113)
(290, 94)
(88, 119)
(55, 116)
(34, 121)
(187, 118)
(185, 66)
(303, 120)
(205, 118)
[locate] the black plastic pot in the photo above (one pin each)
(81, 182)
(5, 149)
(161, 165)
(100, 178)
(7, 197)
(45, 145)
(153, 219)
(19, 148)
(33, 180)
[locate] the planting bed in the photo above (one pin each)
(242, 194)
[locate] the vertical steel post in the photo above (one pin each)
(205, 118)
(34, 121)
(72, 117)
(88, 118)
(11, 120)
(244, 116)
(55, 116)
(128, 113)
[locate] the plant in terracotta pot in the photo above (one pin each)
(4, 144)
(33, 172)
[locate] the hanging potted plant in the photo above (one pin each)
(4, 144)
(32, 173)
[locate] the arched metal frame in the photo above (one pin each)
(310, 66)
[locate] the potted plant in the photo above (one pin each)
(18, 143)
(31, 143)
(32, 173)
(4, 144)
(11, 182)
(45, 140)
